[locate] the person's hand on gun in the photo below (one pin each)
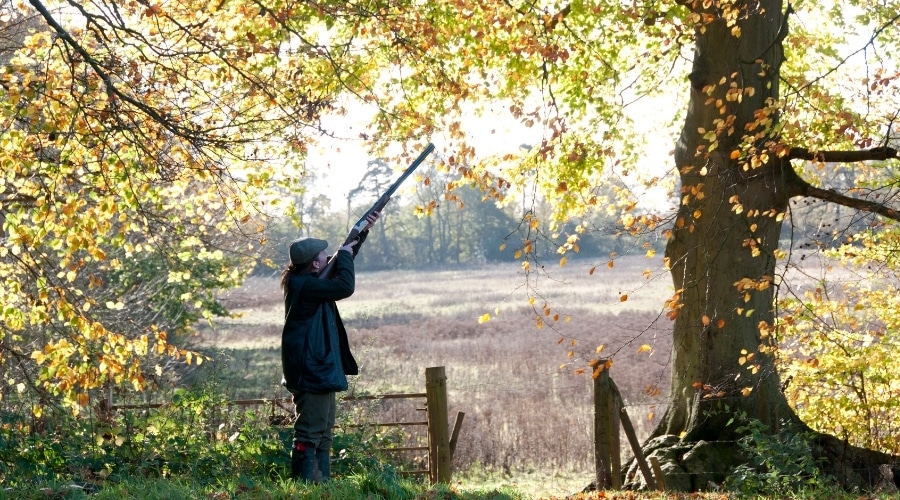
(370, 221)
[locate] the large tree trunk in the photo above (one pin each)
(722, 253)
(726, 234)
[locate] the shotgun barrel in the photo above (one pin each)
(383, 200)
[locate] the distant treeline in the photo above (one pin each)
(429, 233)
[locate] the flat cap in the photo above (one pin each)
(304, 250)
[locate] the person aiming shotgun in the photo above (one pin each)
(315, 350)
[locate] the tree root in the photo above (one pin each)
(705, 465)
(856, 468)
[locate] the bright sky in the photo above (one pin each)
(340, 163)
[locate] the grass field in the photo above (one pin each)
(528, 414)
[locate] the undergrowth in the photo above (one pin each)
(196, 447)
(201, 447)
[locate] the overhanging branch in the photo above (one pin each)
(188, 133)
(847, 201)
(874, 154)
(803, 188)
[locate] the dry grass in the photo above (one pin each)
(526, 410)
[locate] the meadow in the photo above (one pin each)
(527, 401)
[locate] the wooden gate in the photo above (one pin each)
(441, 440)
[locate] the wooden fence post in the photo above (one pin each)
(607, 458)
(632, 437)
(438, 427)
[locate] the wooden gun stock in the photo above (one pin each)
(328, 271)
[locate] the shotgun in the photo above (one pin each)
(328, 270)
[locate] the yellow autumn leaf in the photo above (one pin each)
(484, 318)
(644, 348)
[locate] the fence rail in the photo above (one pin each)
(441, 440)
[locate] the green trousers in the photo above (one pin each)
(313, 434)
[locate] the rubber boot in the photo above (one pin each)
(323, 459)
(303, 462)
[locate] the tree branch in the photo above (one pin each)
(189, 133)
(864, 205)
(874, 154)
(887, 24)
(800, 187)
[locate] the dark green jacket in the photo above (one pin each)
(315, 351)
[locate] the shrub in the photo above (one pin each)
(838, 345)
(781, 463)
